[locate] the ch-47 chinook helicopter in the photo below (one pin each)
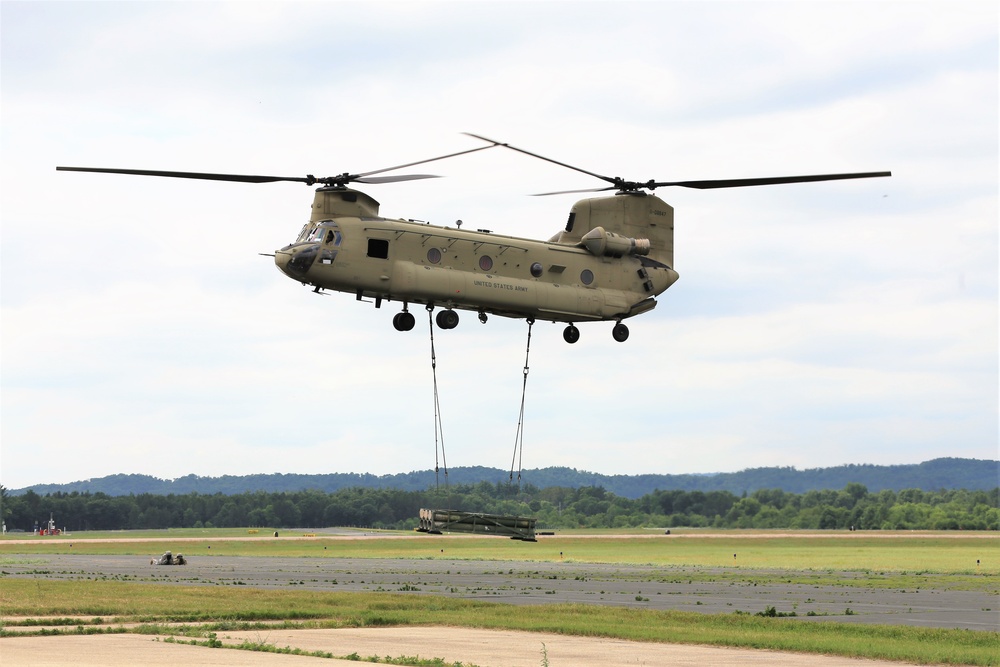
(614, 256)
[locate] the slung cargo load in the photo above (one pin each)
(457, 521)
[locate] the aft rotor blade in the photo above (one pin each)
(776, 180)
(542, 157)
(623, 185)
(570, 192)
(239, 178)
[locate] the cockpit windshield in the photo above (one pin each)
(326, 233)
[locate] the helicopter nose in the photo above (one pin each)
(281, 258)
(296, 262)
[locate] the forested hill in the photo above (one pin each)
(938, 474)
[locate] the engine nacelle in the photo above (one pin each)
(602, 243)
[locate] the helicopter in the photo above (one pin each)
(610, 261)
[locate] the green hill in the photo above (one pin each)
(938, 474)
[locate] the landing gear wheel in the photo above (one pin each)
(571, 334)
(447, 319)
(403, 321)
(482, 318)
(620, 333)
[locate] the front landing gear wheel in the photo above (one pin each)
(571, 334)
(447, 319)
(403, 321)
(620, 333)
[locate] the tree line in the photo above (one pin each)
(553, 507)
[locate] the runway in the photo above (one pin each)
(506, 582)
(518, 582)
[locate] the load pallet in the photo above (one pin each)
(436, 522)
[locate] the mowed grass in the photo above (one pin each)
(212, 608)
(973, 553)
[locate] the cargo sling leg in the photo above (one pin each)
(438, 428)
(519, 437)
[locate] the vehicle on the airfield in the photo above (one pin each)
(169, 559)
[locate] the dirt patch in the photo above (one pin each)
(484, 648)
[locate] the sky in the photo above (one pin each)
(813, 325)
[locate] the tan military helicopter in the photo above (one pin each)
(614, 256)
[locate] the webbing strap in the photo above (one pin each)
(438, 427)
(519, 437)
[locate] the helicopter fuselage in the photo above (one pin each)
(614, 257)
(347, 247)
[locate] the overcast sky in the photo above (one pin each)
(813, 325)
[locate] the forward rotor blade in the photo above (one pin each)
(394, 179)
(341, 180)
(413, 164)
(239, 178)
(776, 180)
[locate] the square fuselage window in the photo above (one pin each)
(378, 248)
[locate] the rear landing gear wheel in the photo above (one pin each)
(403, 321)
(483, 317)
(447, 319)
(571, 334)
(620, 333)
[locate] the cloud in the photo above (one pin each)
(816, 324)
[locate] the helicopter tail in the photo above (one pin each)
(635, 216)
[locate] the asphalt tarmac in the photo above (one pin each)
(640, 586)
(688, 589)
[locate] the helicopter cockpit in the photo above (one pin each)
(316, 242)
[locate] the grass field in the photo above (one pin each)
(211, 609)
(971, 553)
(891, 556)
